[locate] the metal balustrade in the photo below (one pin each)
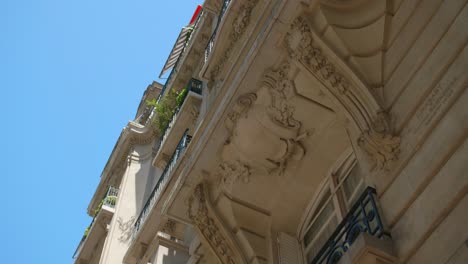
(163, 179)
(209, 47)
(362, 218)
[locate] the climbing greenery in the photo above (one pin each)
(166, 107)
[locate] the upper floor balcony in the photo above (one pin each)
(209, 47)
(94, 236)
(183, 118)
(148, 211)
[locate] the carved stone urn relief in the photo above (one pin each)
(263, 131)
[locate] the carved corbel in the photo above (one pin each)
(211, 228)
(376, 138)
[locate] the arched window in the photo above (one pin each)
(336, 195)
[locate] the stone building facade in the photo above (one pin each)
(312, 131)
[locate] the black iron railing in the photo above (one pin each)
(362, 218)
(193, 85)
(183, 143)
(209, 47)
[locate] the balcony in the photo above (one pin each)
(209, 47)
(184, 117)
(95, 233)
(161, 184)
(363, 218)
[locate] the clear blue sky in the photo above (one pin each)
(72, 74)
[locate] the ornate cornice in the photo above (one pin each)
(211, 229)
(376, 138)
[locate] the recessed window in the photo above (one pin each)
(338, 193)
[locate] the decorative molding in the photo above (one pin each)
(239, 26)
(231, 171)
(126, 229)
(169, 227)
(376, 138)
(212, 232)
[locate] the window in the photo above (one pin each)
(339, 191)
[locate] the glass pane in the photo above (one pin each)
(322, 239)
(351, 183)
(319, 223)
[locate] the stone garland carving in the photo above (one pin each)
(208, 226)
(239, 26)
(126, 228)
(376, 138)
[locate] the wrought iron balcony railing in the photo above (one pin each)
(195, 86)
(362, 218)
(209, 47)
(163, 179)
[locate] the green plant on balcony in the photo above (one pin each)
(111, 200)
(166, 107)
(86, 232)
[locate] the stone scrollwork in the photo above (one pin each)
(211, 229)
(376, 138)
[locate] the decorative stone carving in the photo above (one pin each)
(169, 227)
(230, 171)
(281, 90)
(211, 229)
(382, 148)
(264, 119)
(240, 109)
(239, 26)
(126, 228)
(376, 137)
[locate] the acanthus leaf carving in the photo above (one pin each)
(382, 148)
(209, 227)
